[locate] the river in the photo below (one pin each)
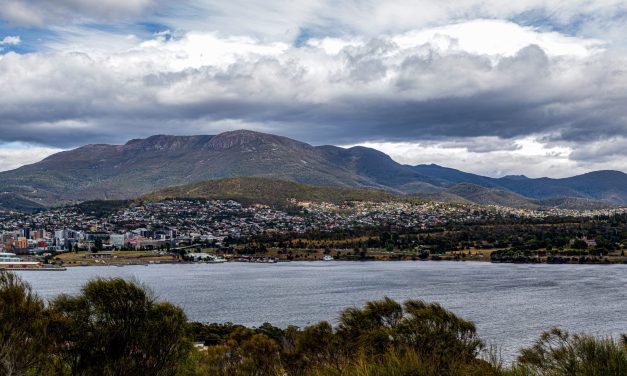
(511, 304)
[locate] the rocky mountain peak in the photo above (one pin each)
(232, 139)
(166, 143)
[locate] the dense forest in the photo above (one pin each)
(116, 327)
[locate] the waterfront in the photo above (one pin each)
(511, 304)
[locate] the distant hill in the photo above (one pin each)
(609, 186)
(249, 190)
(491, 196)
(120, 172)
(13, 201)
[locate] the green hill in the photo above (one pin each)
(249, 190)
(12, 201)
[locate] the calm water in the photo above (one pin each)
(511, 304)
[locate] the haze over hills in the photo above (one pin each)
(96, 172)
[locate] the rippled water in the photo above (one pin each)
(511, 304)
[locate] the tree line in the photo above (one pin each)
(551, 233)
(117, 327)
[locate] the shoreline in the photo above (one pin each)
(146, 258)
(75, 266)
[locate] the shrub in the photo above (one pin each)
(559, 353)
(115, 327)
(25, 343)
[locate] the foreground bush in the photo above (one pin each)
(115, 327)
(383, 338)
(24, 328)
(559, 353)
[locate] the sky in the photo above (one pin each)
(494, 87)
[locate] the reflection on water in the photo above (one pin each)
(511, 304)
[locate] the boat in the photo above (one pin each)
(10, 261)
(217, 260)
(328, 258)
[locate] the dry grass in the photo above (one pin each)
(119, 258)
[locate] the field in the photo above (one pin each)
(118, 258)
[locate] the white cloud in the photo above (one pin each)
(10, 41)
(497, 38)
(16, 154)
(286, 19)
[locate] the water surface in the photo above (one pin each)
(511, 304)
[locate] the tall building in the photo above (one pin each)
(21, 243)
(38, 234)
(117, 240)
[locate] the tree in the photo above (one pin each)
(559, 353)
(260, 356)
(115, 327)
(437, 333)
(97, 245)
(427, 329)
(24, 322)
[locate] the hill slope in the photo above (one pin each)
(248, 190)
(118, 172)
(491, 196)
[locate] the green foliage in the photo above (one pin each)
(15, 201)
(25, 343)
(115, 327)
(101, 208)
(558, 353)
(410, 338)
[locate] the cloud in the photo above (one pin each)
(289, 20)
(45, 12)
(447, 84)
(528, 156)
(10, 41)
(16, 154)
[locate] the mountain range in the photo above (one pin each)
(142, 166)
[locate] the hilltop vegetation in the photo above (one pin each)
(116, 327)
(100, 208)
(247, 190)
(12, 201)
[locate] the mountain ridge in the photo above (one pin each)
(141, 166)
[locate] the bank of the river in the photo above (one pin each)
(120, 258)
